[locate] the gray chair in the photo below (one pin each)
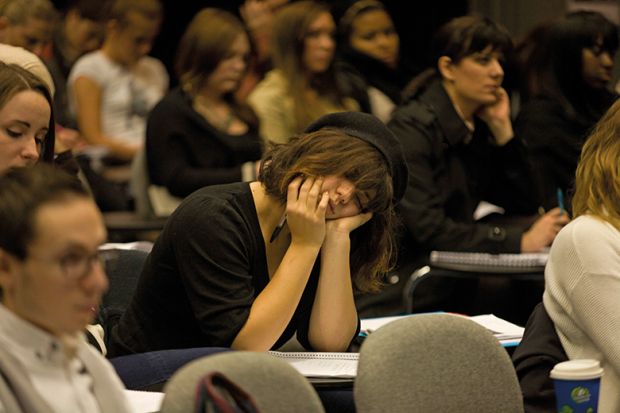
(274, 384)
(435, 363)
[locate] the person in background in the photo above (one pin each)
(29, 61)
(111, 90)
(258, 18)
(302, 86)
(456, 131)
(51, 280)
(248, 265)
(28, 24)
(199, 134)
(567, 72)
(26, 121)
(79, 31)
(368, 62)
(582, 276)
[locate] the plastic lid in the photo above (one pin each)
(579, 369)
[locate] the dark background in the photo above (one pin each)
(414, 27)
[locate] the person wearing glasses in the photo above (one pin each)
(51, 282)
(567, 69)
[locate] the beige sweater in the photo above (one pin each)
(274, 108)
(582, 297)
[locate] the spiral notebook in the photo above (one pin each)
(321, 365)
(484, 262)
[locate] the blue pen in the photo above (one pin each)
(561, 200)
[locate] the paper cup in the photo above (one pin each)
(577, 384)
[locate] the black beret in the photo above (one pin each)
(370, 129)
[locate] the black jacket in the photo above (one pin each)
(539, 351)
(448, 177)
(555, 137)
(356, 72)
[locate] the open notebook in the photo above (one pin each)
(323, 369)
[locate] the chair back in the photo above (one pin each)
(435, 363)
(275, 386)
(123, 275)
(139, 183)
(150, 200)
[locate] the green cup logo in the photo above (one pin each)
(580, 395)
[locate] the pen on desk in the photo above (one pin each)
(561, 201)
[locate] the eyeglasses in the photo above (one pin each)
(76, 266)
(599, 49)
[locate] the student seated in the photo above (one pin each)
(51, 282)
(248, 265)
(26, 121)
(582, 278)
(112, 90)
(28, 24)
(369, 65)
(457, 135)
(79, 31)
(567, 74)
(302, 85)
(199, 134)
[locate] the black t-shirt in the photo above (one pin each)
(202, 276)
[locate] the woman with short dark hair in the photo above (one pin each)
(456, 131)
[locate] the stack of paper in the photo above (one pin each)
(144, 401)
(507, 333)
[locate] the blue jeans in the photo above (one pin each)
(151, 370)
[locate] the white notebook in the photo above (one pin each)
(321, 364)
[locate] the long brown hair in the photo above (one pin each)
(597, 181)
(15, 79)
(289, 32)
(332, 152)
(205, 43)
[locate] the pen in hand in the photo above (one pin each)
(561, 201)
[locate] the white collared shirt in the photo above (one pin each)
(62, 381)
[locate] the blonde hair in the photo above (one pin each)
(597, 181)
